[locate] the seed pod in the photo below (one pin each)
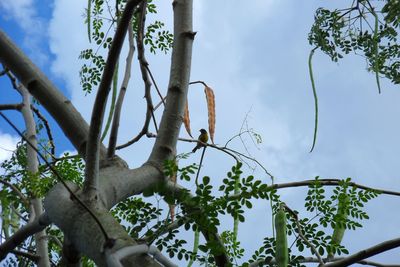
(339, 230)
(281, 249)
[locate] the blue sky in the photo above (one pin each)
(255, 58)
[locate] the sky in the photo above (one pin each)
(254, 56)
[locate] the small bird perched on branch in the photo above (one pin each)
(203, 137)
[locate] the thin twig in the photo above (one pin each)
(300, 232)
(225, 150)
(270, 261)
(323, 182)
(333, 182)
(17, 191)
(150, 238)
(155, 85)
(200, 164)
(195, 82)
(117, 113)
(18, 214)
(13, 80)
(159, 103)
(11, 106)
(366, 253)
(48, 130)
(143, 65)
(145, 77)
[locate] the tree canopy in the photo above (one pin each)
(93, 206)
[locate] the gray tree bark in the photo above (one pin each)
(33, 168)
(116, 181)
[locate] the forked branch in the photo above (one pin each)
(93, 143)
(117, 114)
(145, 77)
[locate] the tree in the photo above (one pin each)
(78, 196)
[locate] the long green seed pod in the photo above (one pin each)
(195, 247)
(281, 249)
(340, 228)
(88, 19)
(376, 50)
(310, 70)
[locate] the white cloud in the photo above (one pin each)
(7, 145)
(24, 13)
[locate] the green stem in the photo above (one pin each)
(195, 247)
(89, 11)
(315, 97)
(376, 51)
(113, 100)
(197, 233)
(236, 220)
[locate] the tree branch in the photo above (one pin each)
(27, 230)
(155, 85)
(315, 260)
(117, 114)
(171, 121)
(69, 119)
(93, 145)
(11, 106)
(48, 130)
(300, 232)
(115, 258)
(323, 182)
(333, 182)
(33, 168)
(366, 253)
(144, 69)
(183, 196)
(145, 77)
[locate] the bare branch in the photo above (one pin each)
(48, 130)
(33, 168)
(366, 253)
(150, 236)
(13, 80)
(11, 106)
(195, 82)
(300, 232)
(226, 150)
(159, 103)
(145, 77)
(333, 182)
(93, 146)
(27, 230)
(117, 114)
(315, 260)
(323, 182)
(155, 85)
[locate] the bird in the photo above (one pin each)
(203, 137)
